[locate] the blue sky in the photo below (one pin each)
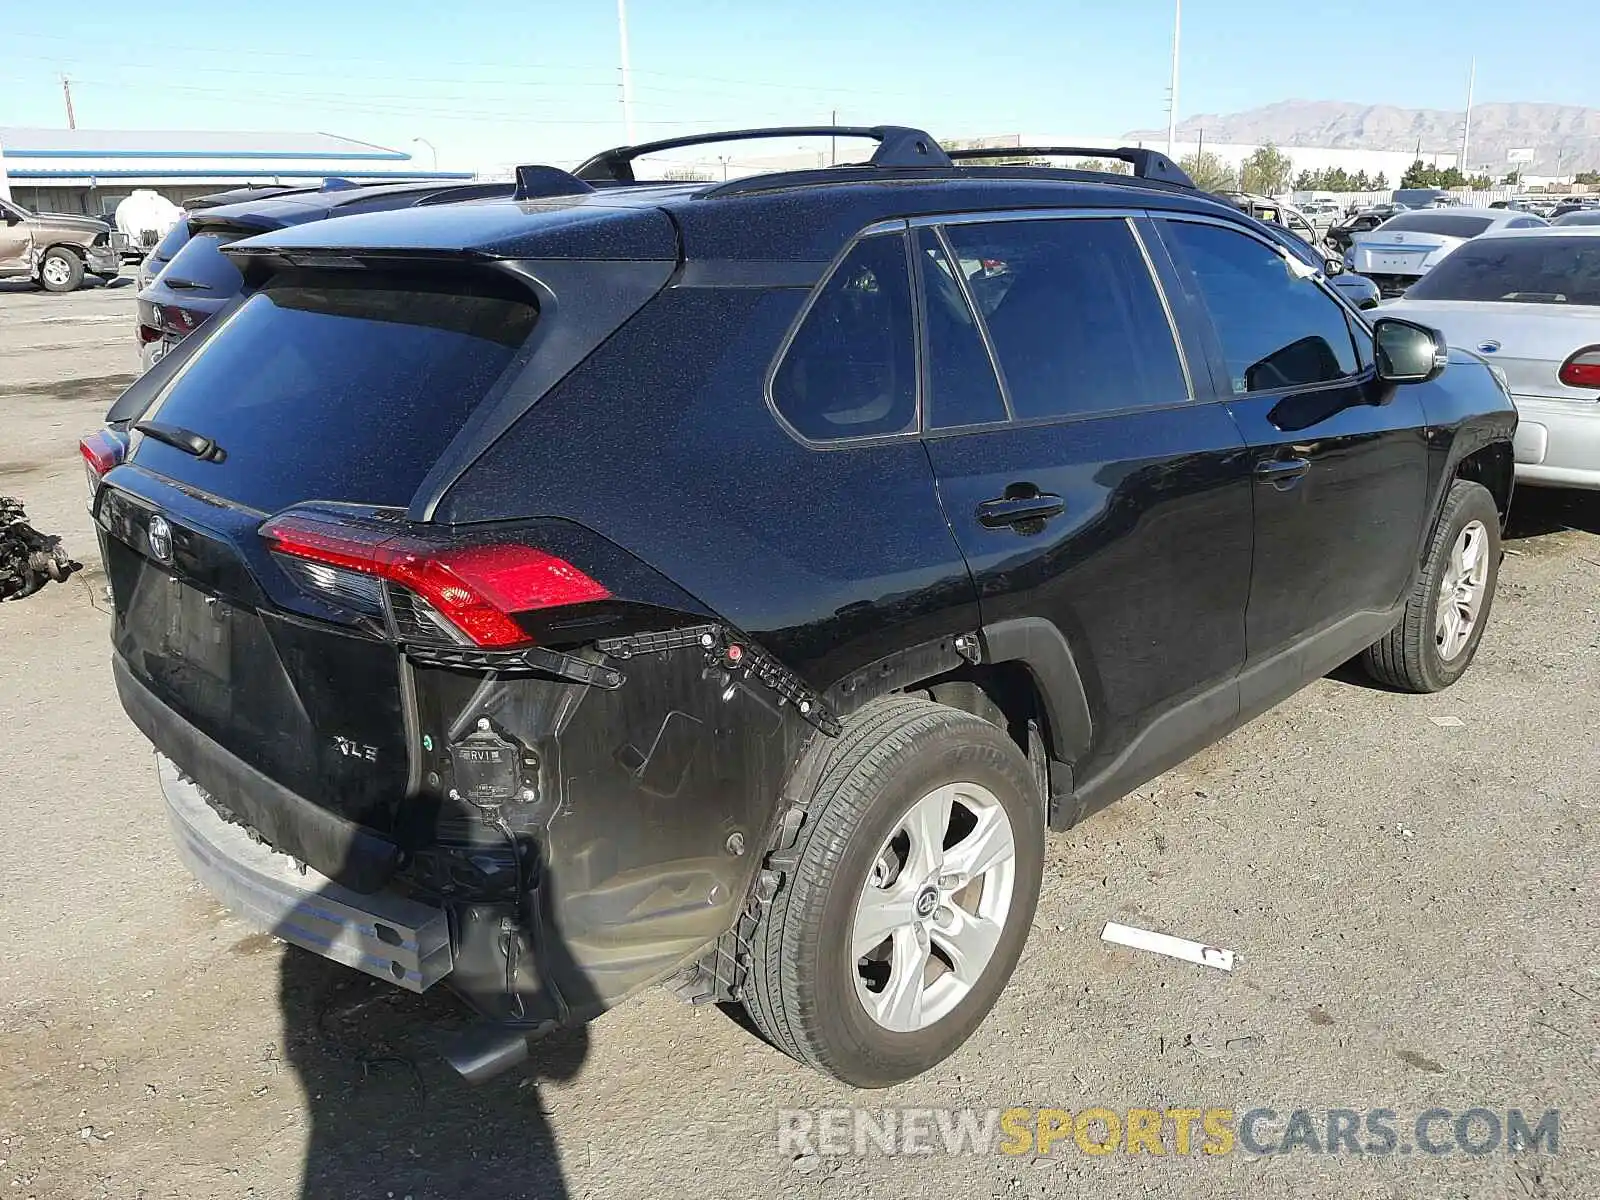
(499, 81)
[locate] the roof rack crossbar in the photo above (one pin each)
(1147, 164)
(534, 181)
(898, 146)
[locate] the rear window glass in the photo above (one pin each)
(172, 243)
(1533, 270)
(201, 266)
(1445, 224)
(322, 389)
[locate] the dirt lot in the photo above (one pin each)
(1410, 883)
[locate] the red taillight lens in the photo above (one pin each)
(101, 450)
(148, 334)
(181, 321)
(475, 588)
(1582, 370)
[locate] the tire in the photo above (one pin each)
(1419, 654)
(805, 987)
(60, 271)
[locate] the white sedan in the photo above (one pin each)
(1528, 300)
(1410, 244)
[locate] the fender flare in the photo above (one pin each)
(1039, 645)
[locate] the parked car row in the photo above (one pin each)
(187, 279)
(1045, 480)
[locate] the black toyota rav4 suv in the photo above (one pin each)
(728, 584)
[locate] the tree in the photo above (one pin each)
(1480, 183)
(1419, 175)
(1361, 183)
(1308, 181)
(1209, 172)
(1113, 166)
(1513, 178)
(1265, 171)
(1381, 183)
(1450, 177)
(1592, 178)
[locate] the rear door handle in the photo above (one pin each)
(1018, 510)
(1281, 472)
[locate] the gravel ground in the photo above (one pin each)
(1409, 882)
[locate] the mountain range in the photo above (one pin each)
(1564, 137)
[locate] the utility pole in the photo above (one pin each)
(1466, 126)
(833, 140)
(66, 90)
(627, 72)
(1172, 99)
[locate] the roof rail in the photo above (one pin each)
(1147, 164)
(534, 181)
(898, 146)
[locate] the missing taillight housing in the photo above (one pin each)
(477, 588)
(1582, 370)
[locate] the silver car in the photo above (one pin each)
(1528, 300)
(1407, 246)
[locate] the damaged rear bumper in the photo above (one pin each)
(388, 936)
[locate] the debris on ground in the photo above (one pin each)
(1448, 722)
(1172, 947)
(28, 559)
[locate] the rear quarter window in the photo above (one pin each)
(323, 388)
(850, 371)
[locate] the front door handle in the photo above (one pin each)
(1282, 472)
(1013, 510)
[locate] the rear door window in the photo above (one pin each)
(850, 371)
(322, 388)
(1277, 327)
(961, 385)
(1074, 315)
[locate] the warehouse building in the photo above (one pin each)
(91, 170)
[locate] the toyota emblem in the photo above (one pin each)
(159, 534)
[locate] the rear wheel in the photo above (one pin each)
(61, 271)
(912, 888)
(1444, 620)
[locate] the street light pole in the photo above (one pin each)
(627, 72)
(1466, 125)
(1172, 102)
(431, 150)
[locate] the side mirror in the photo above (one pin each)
(1408, 353)
(1332, 264)
(11, 217)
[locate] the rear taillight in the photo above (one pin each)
(468, 592)
(179, 320)
(1582, 370)
(148, 334)
(101, 450)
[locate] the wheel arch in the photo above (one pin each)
(1022, 666)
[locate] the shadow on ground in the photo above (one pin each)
(13, 286)
(390, 1118)
(1536, 511)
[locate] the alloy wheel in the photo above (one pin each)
(1461, 590)
(933, 907)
